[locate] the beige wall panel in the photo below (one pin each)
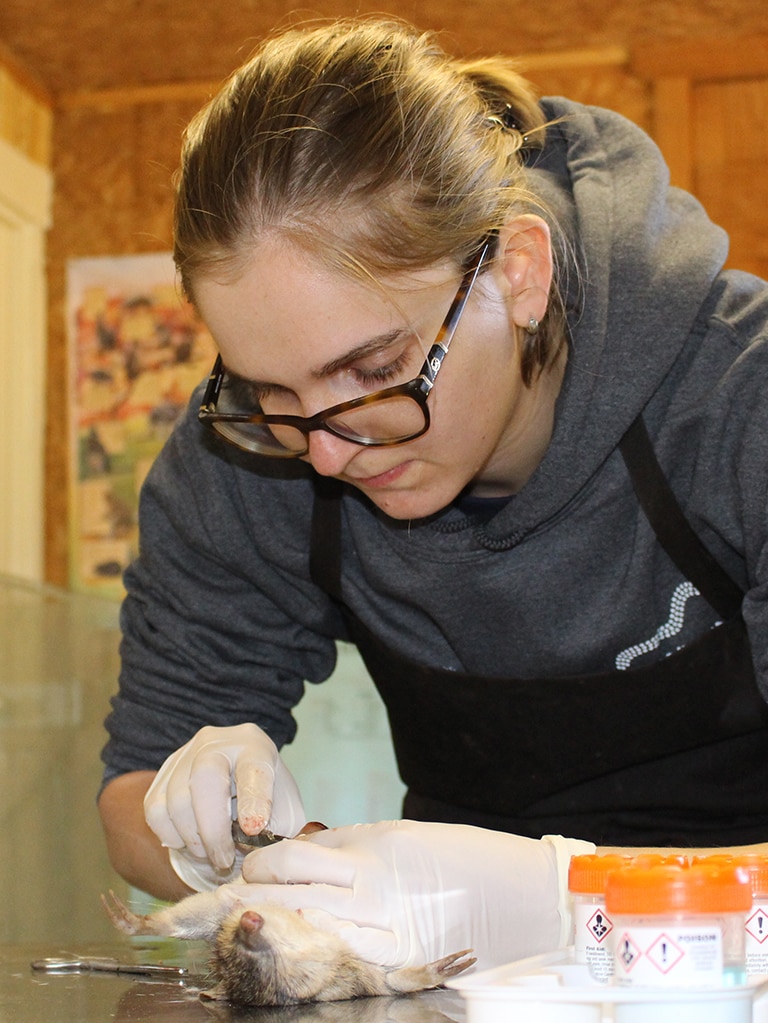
(25, 201)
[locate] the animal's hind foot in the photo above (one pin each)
(123, 918)
(451, 965)
(417, 978)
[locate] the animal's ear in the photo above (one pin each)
(214, 994)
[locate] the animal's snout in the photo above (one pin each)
(249, 928)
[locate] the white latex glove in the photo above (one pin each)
(404, 893)
(189, 805)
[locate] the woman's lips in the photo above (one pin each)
(382, 479)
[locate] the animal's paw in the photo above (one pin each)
(450, 966)
(417, 978)
(123, 918)
(215, 994)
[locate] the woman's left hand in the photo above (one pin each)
(404, 892)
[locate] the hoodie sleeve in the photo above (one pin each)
(220, 623)
(729, 497)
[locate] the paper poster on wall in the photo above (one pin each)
(137, 351)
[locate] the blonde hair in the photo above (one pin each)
(363, 141)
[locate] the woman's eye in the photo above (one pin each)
(378, 375)
(239, 392)
(243, 394)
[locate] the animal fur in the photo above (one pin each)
(270, 955)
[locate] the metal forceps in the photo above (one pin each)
(104, 964)
(263, 838)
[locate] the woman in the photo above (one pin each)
(496, 415)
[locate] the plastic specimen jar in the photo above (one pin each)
(592, 926)
(679, 927)
(756, 924)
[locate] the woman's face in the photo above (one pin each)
(309, 338)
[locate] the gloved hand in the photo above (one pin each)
(189, 805)
(403, 893)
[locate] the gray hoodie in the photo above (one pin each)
(222, 623)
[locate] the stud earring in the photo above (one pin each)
(532, 326)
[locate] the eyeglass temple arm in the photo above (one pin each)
(439, 349)
(436, 354)
(213, 387)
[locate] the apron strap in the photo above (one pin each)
(674, 532)
(325, 544)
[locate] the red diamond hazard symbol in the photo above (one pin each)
(664, 953)
(627, 953)
(599, 926)
(757, 925)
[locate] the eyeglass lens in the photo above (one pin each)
(388, 420)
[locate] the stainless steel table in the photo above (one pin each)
(28, 996)
(58, 666)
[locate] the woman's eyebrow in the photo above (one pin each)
(362, 351)
(370, 347)
(248, 382)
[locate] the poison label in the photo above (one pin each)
(677, 956)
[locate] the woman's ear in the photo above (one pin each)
(524, 260)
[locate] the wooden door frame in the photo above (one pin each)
(26, 190)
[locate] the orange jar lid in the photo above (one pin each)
(757, 868)
(587, 874)
(660, 860)
(700, 888)
(755, 864)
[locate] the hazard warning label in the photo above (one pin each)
(664, 954)
(756, 940)
(757, 925)
(599, 926)
(679, 955)
(592, 930)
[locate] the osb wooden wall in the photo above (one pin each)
(114, 154)
(112, 168)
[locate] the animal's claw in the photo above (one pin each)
(457, 962)
(123, 918)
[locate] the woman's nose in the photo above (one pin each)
(328, 454)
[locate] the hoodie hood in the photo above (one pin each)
(643, 258)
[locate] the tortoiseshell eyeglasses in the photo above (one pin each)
(383, 418)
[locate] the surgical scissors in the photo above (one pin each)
(104, 964)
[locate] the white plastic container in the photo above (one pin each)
(553, 988)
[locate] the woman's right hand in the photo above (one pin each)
(189, 805)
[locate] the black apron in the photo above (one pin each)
(672, 753)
